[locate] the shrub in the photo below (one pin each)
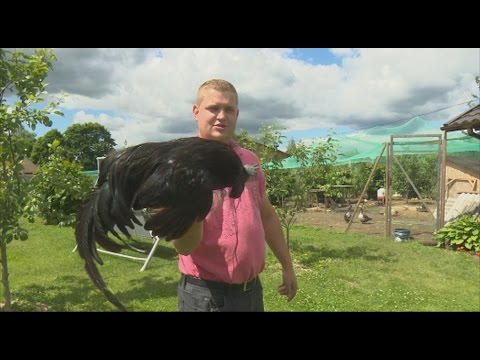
(461, 234)
(58, 189)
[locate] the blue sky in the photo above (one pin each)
(147, 94)
(315, 56)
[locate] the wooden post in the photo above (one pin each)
(388, 209)
(388, 192)
(365, 188)
(410, 181)
(442, 187)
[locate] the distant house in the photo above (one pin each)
(278, 155)
(462, 173)
(29, 168)
(468, 121)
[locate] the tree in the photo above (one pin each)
(58, 189)
(421, 169)
(315, 171)
(85, 142)
(288, 189)
(23, 142)
(476, 98)
(360, 172)
(41, 149)
(22, 79)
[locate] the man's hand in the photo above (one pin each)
(289, 286)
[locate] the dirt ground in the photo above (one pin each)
(405, 216)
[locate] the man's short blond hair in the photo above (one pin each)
(216, 84)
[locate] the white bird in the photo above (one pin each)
(422, 208)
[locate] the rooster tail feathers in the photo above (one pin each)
(102, 220)
(87, 230)
(96, 278)
(176, 179)
(84, 230)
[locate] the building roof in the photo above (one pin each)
(470, 119)
(465, 164)
(464, 204)
(29, 167)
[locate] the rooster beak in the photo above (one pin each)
(251, 169)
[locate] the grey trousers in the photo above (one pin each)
(193, 297)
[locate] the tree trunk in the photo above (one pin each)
(288, 237)
(6, 287)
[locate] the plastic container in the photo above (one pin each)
(401, 234)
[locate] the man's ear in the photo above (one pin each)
(195, 111)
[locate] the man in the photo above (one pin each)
(221, 257)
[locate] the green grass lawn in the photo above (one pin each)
(336, 272)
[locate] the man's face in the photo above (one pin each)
(216, 115)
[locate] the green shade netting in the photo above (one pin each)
(366, 146)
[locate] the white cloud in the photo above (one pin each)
(343, 52)
(148, 93)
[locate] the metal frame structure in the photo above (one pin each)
(389, 177)
(146, 259)
(390, 159)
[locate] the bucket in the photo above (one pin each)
(401, 234)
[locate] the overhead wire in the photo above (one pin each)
(409, 118)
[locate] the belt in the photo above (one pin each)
(246, 286)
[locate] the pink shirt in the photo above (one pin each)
(233, 245)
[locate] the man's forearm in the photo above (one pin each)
(192, 238)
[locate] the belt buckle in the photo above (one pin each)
(251, 282)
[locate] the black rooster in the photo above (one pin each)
(175, 179)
